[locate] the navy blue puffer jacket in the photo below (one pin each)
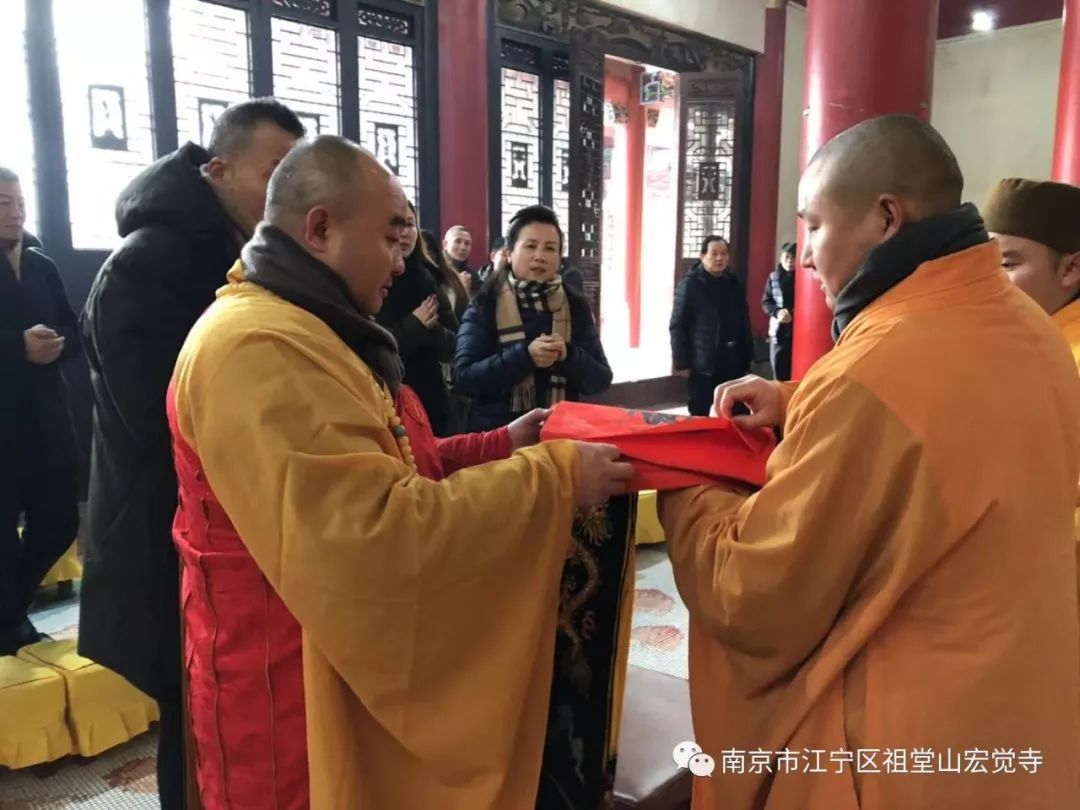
(488, 372)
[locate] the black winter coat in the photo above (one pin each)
(710, 325)
(488, 372)
(422, 350)
(36, 431)
(779, 293)
(178, 246)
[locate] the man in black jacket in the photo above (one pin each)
(183, 221)
(710, 326)
(778, 301)
(40, 458)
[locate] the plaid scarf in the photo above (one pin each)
(514, 297)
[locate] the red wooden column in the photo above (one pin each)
(1067, 138)
(863, 58)
(463, 119)
(765, 184)
(635, 200)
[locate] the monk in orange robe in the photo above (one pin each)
(428, 609)
(890, 623)
(1037, 226)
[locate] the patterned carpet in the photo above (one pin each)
(125, 778)
(658, 640)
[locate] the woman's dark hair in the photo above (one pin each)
(787, 249)
(710, 239)
(534, 214)
(421, 251)
(445, 274)
(498, 243)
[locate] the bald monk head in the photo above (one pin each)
(866, 184)
(339, 203)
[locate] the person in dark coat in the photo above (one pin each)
(420, 318)
(451, 283)
(451, 287)
(498, 256)
(710, 326)
(457, 246)
(778, 301)
(39, 472)
(183, 221)
(572, 276)
(528, 341)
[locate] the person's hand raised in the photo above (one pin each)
(761, 396)
(43, 345)
(543, 354)
(602, 474)
(428, 312)
(557, 343)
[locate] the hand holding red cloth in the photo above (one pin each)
(668, 452)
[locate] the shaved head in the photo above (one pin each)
(326, 171)
(866, 185)
(341, 205)
(899, 155)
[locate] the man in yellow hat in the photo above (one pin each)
(1037, 225)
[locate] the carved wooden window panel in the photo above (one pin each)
(520, 153)
(307, 73)
(712, 107)
(211, 46)
(16, 142)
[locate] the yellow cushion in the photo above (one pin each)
(67, 568)
(649, 529)
(104, 710)
(32, 705)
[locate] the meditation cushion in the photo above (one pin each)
(67, 569)
(649, 529)
(32, 706)
(104, 710)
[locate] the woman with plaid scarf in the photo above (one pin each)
(527, 341)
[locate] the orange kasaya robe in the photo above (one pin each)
(905, 578)
(428, 609)
(1068, 321)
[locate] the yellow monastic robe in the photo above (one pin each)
(904, 580)
(1068, 321)
(428, 609)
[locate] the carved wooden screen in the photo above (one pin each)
(712, 107)
(587, 168)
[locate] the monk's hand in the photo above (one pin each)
(525, 431)
(784, 316)
(761, 396)
(542, 353)
(602, 474)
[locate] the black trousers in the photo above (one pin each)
(48, 502)
(702, 393)
(780, 355)
(701, 389)
(171, 751)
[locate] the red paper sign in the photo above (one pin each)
(668, 452)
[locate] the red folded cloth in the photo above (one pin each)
(668, 452)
